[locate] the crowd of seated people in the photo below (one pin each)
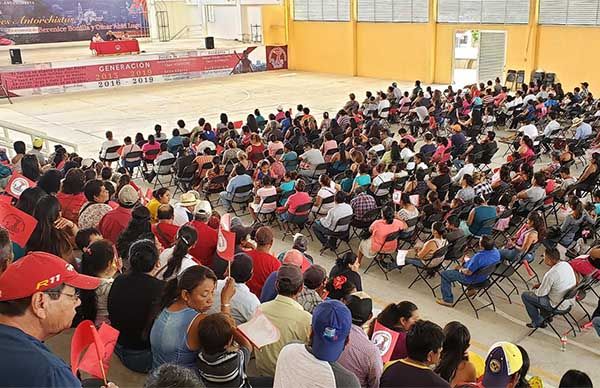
(437, 184)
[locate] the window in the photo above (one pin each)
(210, 13)
(570, 12)
(484, 11)
(408, 11)
(322, 10)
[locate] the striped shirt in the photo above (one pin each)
(226, 369)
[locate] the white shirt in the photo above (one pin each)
(295, 364)
(551, 127)
(377, 148)
(398, 94)
(206, 144)
(382, 105)
(336, 213)
(183, 131)
(529, 130)
(556, 282)
(181, 215)
(406, 154)
(164, 257)
(106, 145)
(516, 101)
(528, 98)
(243, 304)
(421, 112)
(466, 169)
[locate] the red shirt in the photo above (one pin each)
(70, 204)
(166, 235)
(148, 147)
(263, 265)
(114, 223)
(298, 199)
(206, 246)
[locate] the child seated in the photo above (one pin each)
(219, 363)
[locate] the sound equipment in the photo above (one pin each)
(15, 56)
(209, 42)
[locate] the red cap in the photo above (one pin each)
(40, 271)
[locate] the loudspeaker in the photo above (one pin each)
(209, 43)
(15, 56)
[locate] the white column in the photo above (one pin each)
(152, 21)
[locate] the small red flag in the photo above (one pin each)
(19, 224)
(91, 349)
(17, 184)
(385, 340)
(226, 239)
(238, 124)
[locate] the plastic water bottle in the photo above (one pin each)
(563, 343)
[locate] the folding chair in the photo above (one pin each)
(341, 236)
(325, 201)
(297, 222)
(164, 168)
(215, 186)
(380, 257)
(384, 197)
(138, 163)
(481, 288)
(588, 285)
(431, 268)
(110, 150)
(474, 239)
(412, 239)
(150, 161)
(267, 216)
(242, 196)
(364, 224)
(549, 315)
(184, 180)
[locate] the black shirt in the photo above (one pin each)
(352, 276)
(132, 300)
(403, 373)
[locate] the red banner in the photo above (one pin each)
(19, 224)
(17, 184)
(277, 57)
(226, 239)
(115, 47)
(385, 340)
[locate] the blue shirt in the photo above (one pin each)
(269, 292)
(481, 260)
(26, 362)
(173, 143)
(583, 131)
(363, 180)
(238, 181)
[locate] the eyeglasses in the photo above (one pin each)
(73, 296)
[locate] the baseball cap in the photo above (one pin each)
(291, 274)
(38, 142)
(279, 108)
(361, 307)
(314, 276)
(128, 195)
(504, 360)
(38, 272)
(331, 324)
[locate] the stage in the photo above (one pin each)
(66, 70)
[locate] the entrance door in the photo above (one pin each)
(492, 55)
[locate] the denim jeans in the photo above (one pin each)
(226, 198)
(596, 324)
(535, 306)
(320, 232)
(512, 255)
(448, 277)
(136, 360)
(415, 262)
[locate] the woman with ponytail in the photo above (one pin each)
(99, 259)
(176, 259)
(399, 317)
(186, 299)
(133, 302)
(161, 196)
(454, 365)
(138, 226)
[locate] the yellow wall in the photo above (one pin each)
(393, 50)
(571, 53)
(424, 50)
(273, 20)
(321, 47)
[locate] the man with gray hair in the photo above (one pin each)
(6, 251)
(171, 375)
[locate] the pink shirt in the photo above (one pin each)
(380, 229)
(149, 147)
(298, 199)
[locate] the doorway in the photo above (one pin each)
(479, 56)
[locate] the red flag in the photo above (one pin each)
(226, 239)
(385, 340)
(91, 350)
(105, 340)
(19, 224)
(6, 199)
(238, 124)
(17, 184)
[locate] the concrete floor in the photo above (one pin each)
(83, 118)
